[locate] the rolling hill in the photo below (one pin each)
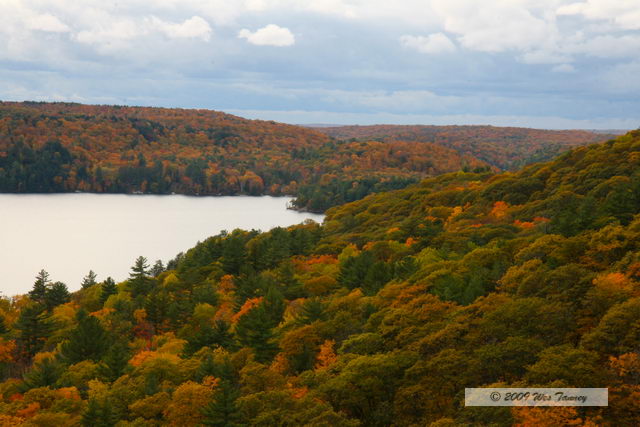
(503, 147)
(62, 147)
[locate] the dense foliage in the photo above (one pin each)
(381, 316)
(59, 147)
(503, 147)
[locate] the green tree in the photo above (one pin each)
(365, 272)
(312, 310)
(139, 281)
(157, 268)
(39, 291)
(209, 336)
(56, 295)
(223, 369)
(234, 253)
(222, 411)
(156, 305)
(34, 326)
(254, 331)
(109, 288)
(87, 341)
(43, 374)
(274, 306)
(115, 360)
(89, 280)
(99, 414)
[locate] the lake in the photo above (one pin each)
(69, 234)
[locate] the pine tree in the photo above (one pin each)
(87, 341)
(222, 411)
(234, 253)
(179, 312)
(254, 331)
(89, 280)
(353, 270)
(274, 306)
(98, 414)
(209, 336)
(109, 416)
(56, 295)
(43, 374)
(151, 383)
(292, 288)
(157, 268)
(312, 310)
(39, 291)
(92, 416)
(139, 280)
(156, 305)
(115, 361)
(207, 368)
(34, 326)
(3, 325)
(109, 288)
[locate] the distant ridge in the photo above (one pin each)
(502, 147)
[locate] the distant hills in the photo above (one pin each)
(63, 147)
(502, 147)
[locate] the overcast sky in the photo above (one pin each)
(537, 63)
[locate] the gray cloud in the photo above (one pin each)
(568, 62)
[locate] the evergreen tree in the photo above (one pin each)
(99, 414)
(222, 411)
(56, 295)
(92, 416)
(3, 325)
(224, 370)
(34, 326)
(254, 331)
(210, 336)
(43, 374)
(207, 368)
(115, 361)
(156, 306)
(39, 291)
(151, 383)
(157, 268)
(89, 280)
(87, 341)
(109, 288)
(251, 285)
(139, 280)
(312, 310)
(274, 306)
(179, 311)
(109, 416)
(292, 288)
(234, 253)
(353, 270)
(377, 276)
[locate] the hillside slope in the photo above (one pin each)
(381, 316)
(503, 147)
(59, 147)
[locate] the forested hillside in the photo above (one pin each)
(381, 316)
(503, 147)
(60, 147)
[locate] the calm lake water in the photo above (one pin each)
(69, 234)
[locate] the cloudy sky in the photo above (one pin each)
(538, 63)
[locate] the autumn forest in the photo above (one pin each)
(61, 147)
(450, 257)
